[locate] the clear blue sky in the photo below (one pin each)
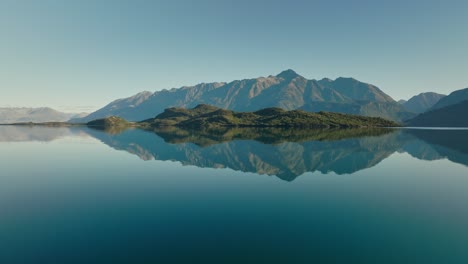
(80, 55)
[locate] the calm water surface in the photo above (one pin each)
(77, 195)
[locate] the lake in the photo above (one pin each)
(79, 195)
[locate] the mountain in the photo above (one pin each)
(42, 114)
(287, 90)
(391, 111)
(449, 111)
(449, 116)
(203, 116)
(422, 102)
(452, 99)
(119, 107)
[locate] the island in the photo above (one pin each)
(207, 116)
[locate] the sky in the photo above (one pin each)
(78, 56)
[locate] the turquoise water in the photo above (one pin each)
(76, 195)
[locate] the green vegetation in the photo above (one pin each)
(112, 124)
(112, 121)
(206, 116)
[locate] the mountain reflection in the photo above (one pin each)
(285, 153)
(288, 153)
(450, 144)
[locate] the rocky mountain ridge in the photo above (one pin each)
(287, 90)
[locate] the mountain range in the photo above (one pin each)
(41, 114)
(450, 111)
(287, 90)
(449, 116)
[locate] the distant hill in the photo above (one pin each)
(422, 102)
(452, 99)
(449, 116)
(287, 90)
(42, 114)
(205, 116)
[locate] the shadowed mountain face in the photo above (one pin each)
(422, 102)
(287, 90)
(449, 116)
(450, 111)
(284, 153)
(452, 99)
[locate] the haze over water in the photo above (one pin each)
(76, 195)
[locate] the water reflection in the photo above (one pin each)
(284, 153)
(37, 133)
(68, 202)
(450, 144)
